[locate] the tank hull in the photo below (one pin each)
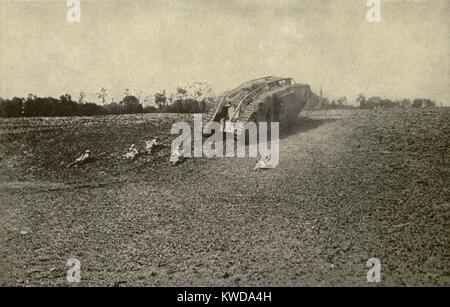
(281, 105)
(271, 100)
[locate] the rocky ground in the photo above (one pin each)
(351, 185)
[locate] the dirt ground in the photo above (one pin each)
(351, 185)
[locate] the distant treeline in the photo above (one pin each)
(321, 103)
(378, 102)
(181, 102)
(34, 106)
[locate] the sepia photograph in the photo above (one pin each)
(210, 145)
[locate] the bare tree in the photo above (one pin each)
(161, 99)
(81, 98)
(139, 94)
(126, 92)
(102, 94)
(361, 99)
(199, 90)
(181, 93)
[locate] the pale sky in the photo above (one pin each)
(155, 45)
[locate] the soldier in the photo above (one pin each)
(152, 146)
(263, 162)
(177, 156)
(83, 159)
(132, 152)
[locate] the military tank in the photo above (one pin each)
(268, 99)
